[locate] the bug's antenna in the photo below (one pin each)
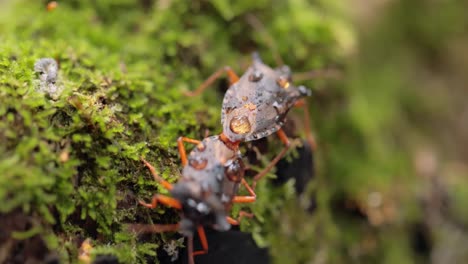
(258, 26)
(329, 73)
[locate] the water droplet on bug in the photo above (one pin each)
(240, 125)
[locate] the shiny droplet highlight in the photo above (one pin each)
(240, 125)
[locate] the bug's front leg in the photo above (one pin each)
(310, 137)
(182, 151)
(156, 176)
(233, 78)
(154, 228)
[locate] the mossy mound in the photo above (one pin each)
(71, 165)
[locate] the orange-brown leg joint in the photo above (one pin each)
(163, 199)
(182, 151)
(233, 78)
(158, 178)
(249, 189)
(286, 143)
(245, 199)
(242, 214)
(203, 240)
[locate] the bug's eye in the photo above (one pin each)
(304, 91)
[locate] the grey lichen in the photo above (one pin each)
(47, 68)
(172, 248)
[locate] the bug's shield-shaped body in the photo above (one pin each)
(256, 105)
(209, 182)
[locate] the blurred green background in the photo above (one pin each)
(392, 129)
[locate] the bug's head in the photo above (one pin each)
(199, 207)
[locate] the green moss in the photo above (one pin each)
(75, 161)
(71, 166)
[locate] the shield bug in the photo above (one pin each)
(256, 104)
(211, 176)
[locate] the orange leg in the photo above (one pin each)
(158, 178)
(286, 143)
(166, 200)
(233, 78)
(182, 151)
(245, 199)
(242, 214)
(310, 137)
(203, 240)
(142, 228)
(190, 249)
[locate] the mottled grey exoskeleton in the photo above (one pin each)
(209, 182)
(256, 105)
(47, 69)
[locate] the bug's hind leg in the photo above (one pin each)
(203, 240)
(154, 228)
(233, 78)
(284, 139)
(163, 199)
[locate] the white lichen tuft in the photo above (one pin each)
(172, 248)
(47, 69)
